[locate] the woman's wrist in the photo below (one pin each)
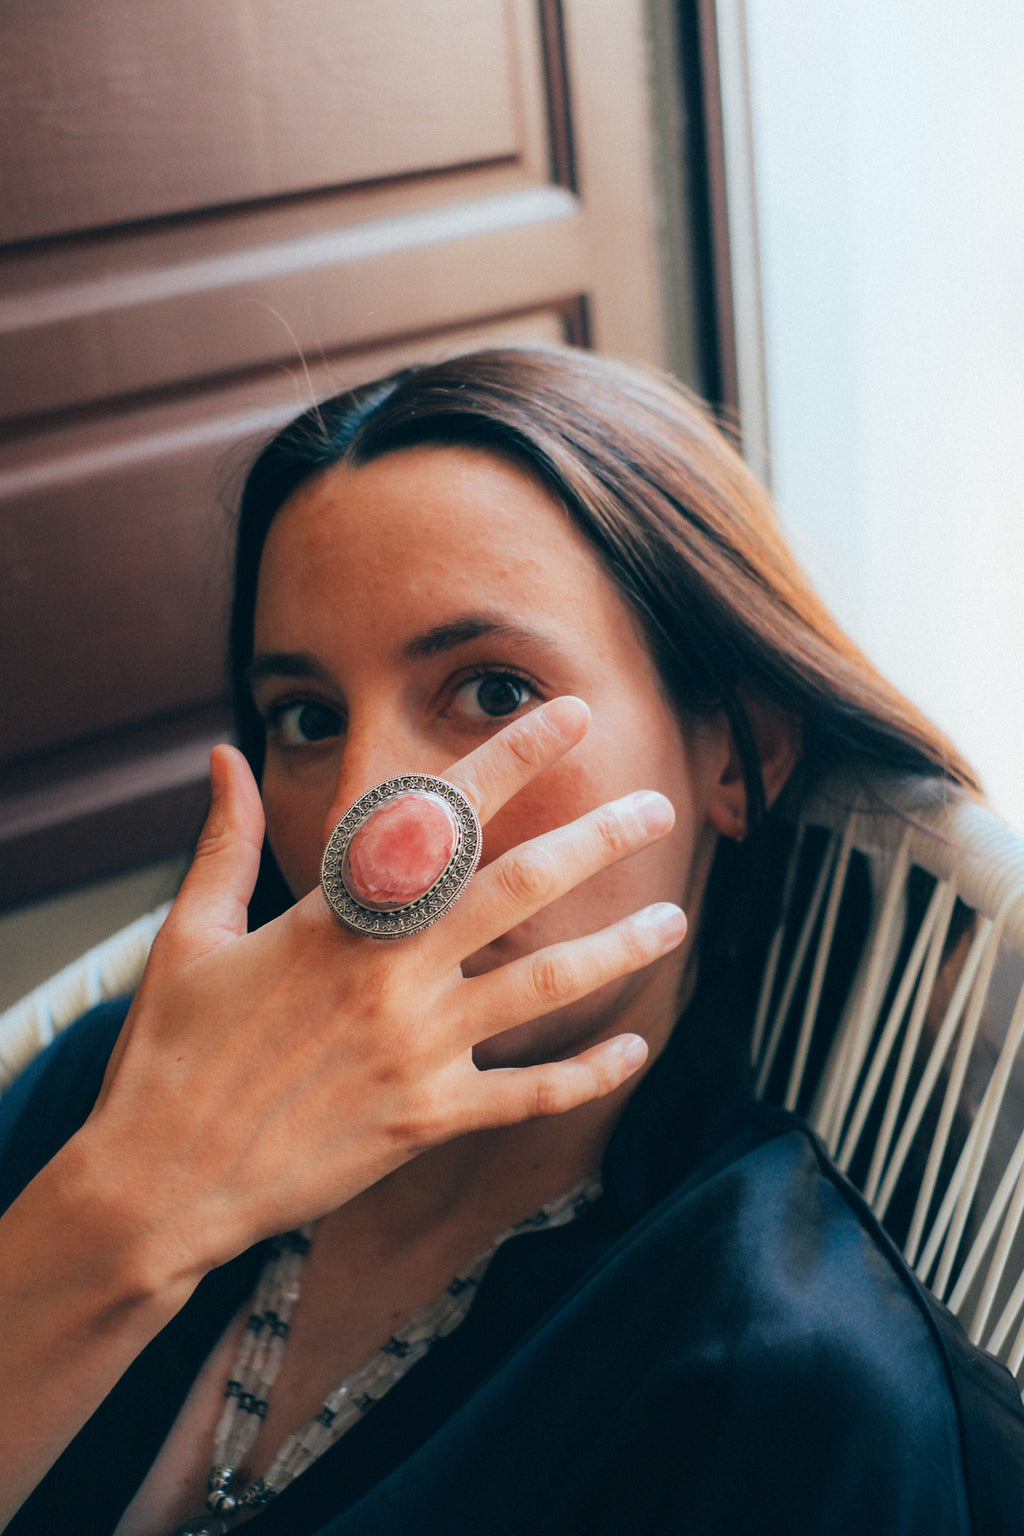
(119, 1226)
(84, 1286)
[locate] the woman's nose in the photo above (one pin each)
(375, 755)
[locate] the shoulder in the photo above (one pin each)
(748, 1354)
(53, 1096)
(845, 1377)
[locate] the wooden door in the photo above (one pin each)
(209, 211)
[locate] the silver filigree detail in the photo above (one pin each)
(434, 902)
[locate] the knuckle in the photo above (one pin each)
(217, 838)
(378, 989)
(547, 1097)
(409, 1131)
(525, 879)
(612, 832)
(603, 1077)
(636, 946)
(528, 743)
(422, 1123)
(553, 978)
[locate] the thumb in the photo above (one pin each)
(213, 902)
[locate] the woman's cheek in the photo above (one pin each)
(557, 798)
(295, 836)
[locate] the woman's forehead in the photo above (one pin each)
(430, 538)
(429, 511)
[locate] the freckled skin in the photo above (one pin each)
(362, 560)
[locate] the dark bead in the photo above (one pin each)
(222, 1503)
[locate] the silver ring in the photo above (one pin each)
(375, 882)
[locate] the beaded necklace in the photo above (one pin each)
(261, 1353)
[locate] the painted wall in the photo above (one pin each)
(888, 150)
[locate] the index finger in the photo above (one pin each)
(494, 772)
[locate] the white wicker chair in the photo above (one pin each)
(916, 1086)
(914, 1080)
(112, 969)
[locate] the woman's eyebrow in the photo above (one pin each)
(433, 642)
(281, 664)
(446, 637)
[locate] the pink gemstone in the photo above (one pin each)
(400, 850)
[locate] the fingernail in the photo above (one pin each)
(665, 919)
(653, 812)
(632, 1049)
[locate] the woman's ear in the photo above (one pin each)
(777, 739)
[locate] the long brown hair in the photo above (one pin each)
(684, 530)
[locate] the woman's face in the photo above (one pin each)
(407, 610)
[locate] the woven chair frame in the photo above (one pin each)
(920, 1020)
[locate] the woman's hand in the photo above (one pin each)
(263, 1079)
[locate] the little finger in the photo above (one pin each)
(509, 1095)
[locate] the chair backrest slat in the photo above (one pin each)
(848, 1055)
(881, 1053)
(837, 882)
(984, 952)
(944, 903)
(966, 1179)
(799, 957)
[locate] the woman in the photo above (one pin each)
(549, 581)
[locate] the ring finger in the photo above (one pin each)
(562, 973)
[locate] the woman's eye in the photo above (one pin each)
(297, 725)
(492, 695)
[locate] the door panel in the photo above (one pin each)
(197, 317)
(214, 210)
(94, 94)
